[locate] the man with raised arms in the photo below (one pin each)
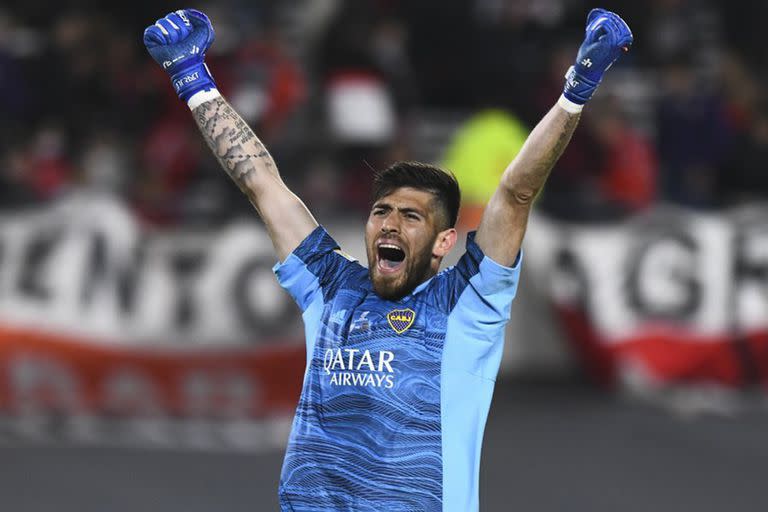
(401, 357)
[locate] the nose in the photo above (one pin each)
(390, 224)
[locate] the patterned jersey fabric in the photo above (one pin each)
(395, 394)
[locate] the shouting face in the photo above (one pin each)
(404, 241)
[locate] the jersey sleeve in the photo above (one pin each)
(317, 267)
(478, 294)
(493, 285)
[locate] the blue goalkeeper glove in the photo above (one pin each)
(607, 37)
(178, 43)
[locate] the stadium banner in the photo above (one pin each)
(672, 297)
(55, 386)
(111, 331)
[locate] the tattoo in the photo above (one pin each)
(239, 151)
(550, 158)
(541, 152)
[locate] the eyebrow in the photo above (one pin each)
(406, 209)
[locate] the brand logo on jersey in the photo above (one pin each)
(354, 367)
(361, 323)
(401, 319)
(338, 317)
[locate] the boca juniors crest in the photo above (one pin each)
(401, 319)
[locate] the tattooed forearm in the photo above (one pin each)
(502, 228)
(528, 173)
(245, 159)
(240, 152)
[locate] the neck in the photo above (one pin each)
(434, 268)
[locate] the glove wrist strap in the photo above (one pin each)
(578, 89)
(191, 80)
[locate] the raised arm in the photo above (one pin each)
(502, 228)
(249, 164)
(178, 42)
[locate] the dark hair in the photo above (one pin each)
(440, 183)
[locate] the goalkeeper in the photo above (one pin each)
(401, 357)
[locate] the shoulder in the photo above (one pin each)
(319, 264)
(475, 275)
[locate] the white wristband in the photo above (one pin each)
(569, 106)
(201, 97)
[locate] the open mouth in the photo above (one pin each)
(390, 257)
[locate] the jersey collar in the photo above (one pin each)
(421, 286)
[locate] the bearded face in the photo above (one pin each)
(401, 237)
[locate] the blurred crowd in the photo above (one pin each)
(338, 87)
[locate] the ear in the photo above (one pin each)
(444, 242)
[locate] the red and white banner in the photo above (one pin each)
(104, 323)
(673, 297)
(53, 372)
(184, 338)
(86, 267)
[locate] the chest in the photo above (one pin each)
(352, 319)
(366, 341)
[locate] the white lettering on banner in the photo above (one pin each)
(220, 435)
(128, 391)
(85, 268)
(705, 273)
(39, 383)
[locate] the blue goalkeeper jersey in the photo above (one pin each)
(395, 394)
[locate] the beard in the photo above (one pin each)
(394, 287)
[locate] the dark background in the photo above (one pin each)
(83, 108)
